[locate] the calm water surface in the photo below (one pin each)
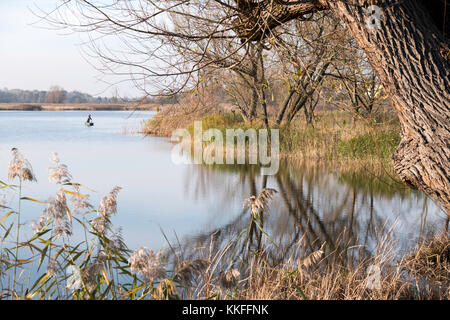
(189, 203)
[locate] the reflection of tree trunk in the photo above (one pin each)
(252, 184)
(264, 182)
(446, 224)
(423, 216)
(293, 211)
(307, 210)
(369, 224)
(352, 214)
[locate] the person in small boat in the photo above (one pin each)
(89, 119)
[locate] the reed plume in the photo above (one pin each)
(166, 289)
(80, 201)
(311, 259)
(108, 206)
(19, 167)
(38, 225)
(259, 204)
(57, 210)
(91, 271)
(147, 263)
(59, 173)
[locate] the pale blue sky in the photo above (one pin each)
(37, 58)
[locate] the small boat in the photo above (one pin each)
(89, 124)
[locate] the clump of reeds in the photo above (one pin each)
(147, 264)
(258, 204)
(337, 137)
(19, 168)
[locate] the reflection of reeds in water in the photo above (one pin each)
(240, 261)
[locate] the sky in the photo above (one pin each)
(33, 57)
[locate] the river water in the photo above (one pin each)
(190, 202)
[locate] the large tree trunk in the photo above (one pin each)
(405, 51)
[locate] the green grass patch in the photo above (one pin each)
(380, 144)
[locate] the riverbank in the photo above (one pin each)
(336, 137)
(75, 107)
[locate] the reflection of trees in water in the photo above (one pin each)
(312, 206)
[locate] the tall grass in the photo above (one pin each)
(52, 265)
(337, 136)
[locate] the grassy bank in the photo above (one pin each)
(337, 136)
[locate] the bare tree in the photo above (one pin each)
(56, 94)
(352, 74)
(305, 60)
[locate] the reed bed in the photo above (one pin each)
(50, 265)
(337, 138)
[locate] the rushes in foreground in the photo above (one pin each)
(431, 259)
(20, 168)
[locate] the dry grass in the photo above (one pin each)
(431, 259)
(318, 276)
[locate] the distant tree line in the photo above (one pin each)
(55, 94)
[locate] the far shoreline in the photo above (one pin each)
(77, 107)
